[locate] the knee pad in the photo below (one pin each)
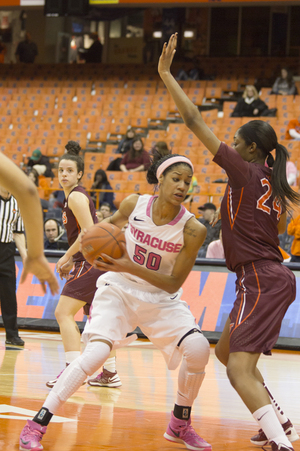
(195, 350)
(94, 355)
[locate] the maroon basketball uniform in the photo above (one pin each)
(82, 284)
(250, 216)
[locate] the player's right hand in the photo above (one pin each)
(167, 55)
(39, 266)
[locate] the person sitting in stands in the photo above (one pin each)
(136, 159)
(40, 163)
(208, 211)
(284, 85)
(51, 229)
(125, 143)
(123, 148)
(215, 249)
(105, 210)
(101, 182)
(250, 105)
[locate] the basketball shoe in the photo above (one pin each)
(181, 431)
(31, 436)
(50, 384)
(106, 379)
(279, 447)
(260, 439)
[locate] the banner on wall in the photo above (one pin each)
(209, 291)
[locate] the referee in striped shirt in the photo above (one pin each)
(11, 234)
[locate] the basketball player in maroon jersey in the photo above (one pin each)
(78, 213)
(253, 212)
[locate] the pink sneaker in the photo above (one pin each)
(181, 431)
(50, 384)
(31, 436)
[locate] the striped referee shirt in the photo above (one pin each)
(10, 219)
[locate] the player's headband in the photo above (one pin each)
(161, 168)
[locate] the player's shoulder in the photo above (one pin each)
(194, 228)
(128, 204)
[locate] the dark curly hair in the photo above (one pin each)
(151, 173)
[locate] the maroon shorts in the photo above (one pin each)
(264, 291)
(82, 284)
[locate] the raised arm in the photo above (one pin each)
(188, 111)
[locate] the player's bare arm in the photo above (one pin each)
(120, 217)
(188, 111)
(282, 224)
(79, 204)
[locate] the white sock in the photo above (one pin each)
(110, 364)
(279, 412)
(269, 423)
(71, 356)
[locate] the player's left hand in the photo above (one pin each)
(121, 264)
(167, 55)
(64, 266)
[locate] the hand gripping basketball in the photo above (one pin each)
(102, 238)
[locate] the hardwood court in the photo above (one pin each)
(135, 416)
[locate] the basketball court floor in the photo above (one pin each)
(135, 416)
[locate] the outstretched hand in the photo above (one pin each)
(167, 54)
(40, 268)
(216, 217)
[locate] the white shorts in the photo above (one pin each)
(115, 313)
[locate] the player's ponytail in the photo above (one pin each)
(72, 150)
(280, 186)
(264, 136)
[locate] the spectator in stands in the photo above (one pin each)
(208, 211)
(125, 143)
(291, 173)
(101, 182)
(99, 215)
(123, 148)
(293, 129)
(94, 53)
(136, 159)
(160, 149)
(40, 163)
(293, 228)
(51, 229)
(215, 249)
(250, 105)
(284, 85)
(105, 210)
(56, 199)
(26, 50)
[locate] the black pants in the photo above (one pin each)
(8, 289)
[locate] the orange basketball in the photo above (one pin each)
(102, 238)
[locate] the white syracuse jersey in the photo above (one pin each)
(154, 247)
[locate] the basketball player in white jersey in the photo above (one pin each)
(143, 288)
